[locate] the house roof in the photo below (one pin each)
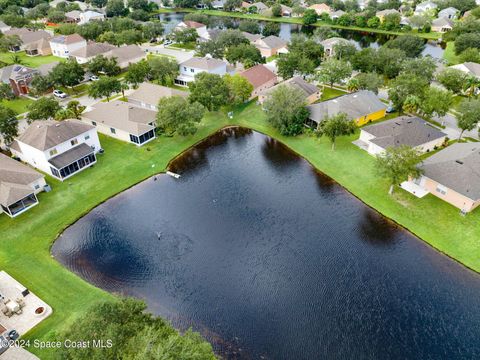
(74, 14)
(125, 53)
(469, 67)
(194, 24)
(457, 167)
(70, 156)
(149, 93)
(45, 134)
(40, 44)
(330, 42)
(442, 22)
(122, 116)
(44, 69)
(16, 72)
(386, 12)
(3, 25)
(337, 13)
(271, 42)
(403, 130)
(258, 75)
(14, 178)
(67, 39)
(92, 49)
(28, 36)
(321, 7)
(296, 82)
(448, 11)
(355, 105)
(205, 63)
(260, 6)
(252, 37)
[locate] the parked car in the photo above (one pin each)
(59, 93)
(390, 109)
(167, 42)
(12, 335)
(94, 78)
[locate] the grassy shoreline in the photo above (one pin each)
(26, 240)
(297, 21)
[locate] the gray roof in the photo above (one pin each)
(14, 178)
(403, 130)
(122, 116)
(16, 72)
(472, 68)
(442, 22)
(126, 53)
(296, 82)
(67, 39)
(205, 63)
(44, 69)
(355, 105)
(92, 49)
(251, 37)
(149, 93)
(457, 167)
(71, 155)
(272, 42)
(330, 42)
(260, 6)
(28, 36)
(45, 134)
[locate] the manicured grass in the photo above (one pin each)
(449, 54)
(19, 104)
(329, 93)
(188, 46)
(26, 240)
(32, 61)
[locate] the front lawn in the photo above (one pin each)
(187, 46)
(32, 61)
(19, 104)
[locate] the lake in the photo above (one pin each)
(359, 39)
(268, 258)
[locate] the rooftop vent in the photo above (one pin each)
(459, 162)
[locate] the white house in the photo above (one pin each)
(64, 45)
(190, 68)
(449, 13)
(58, 148)
(425, 8)
(90, 15)
(199, 27)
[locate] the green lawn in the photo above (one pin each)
(329, 93)
(19, 104)
(449, 54)
(32, 61)
(188, 46)
(26, 240)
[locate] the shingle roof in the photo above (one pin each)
(92, 49)
(471, 67)
(45, 134)
(442, 22)
(194, 24)
(258, 75)
(125, 53)
(251, 37)
(70, 156)
(67, 39)
(299, 83)
(403, 130)
(204, 63)
(16, 72)
(272, 42)
(456, 167)
(28, 36)
(122, 116)
(150, 93)
(355, 105)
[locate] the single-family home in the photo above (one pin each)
(18, 77)
(147, 95)
(442, 25)
(19, 186)
(362, 107)
(449, 13)
(4, 27)
(200, 28)
(309, 91)
(126, 55)
(469, 68)
(383, 13)
(73, 16)
(335, 15)
(452, 175)
(29, 37)
(286, 10)
(252, 37)
(425, 8)
(260, 77)
(39, 47)
(59, 148)
(196, 65)
(260, 6)
(90, 15)
(217, 4)
(88, 52)
(321, 9)
(330, 43)
(63, 45)
(122, 121)
(271, 45)
(403, 130)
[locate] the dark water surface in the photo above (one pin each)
(268, 258)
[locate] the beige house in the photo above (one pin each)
(329, 45)
(310, 92)
(148, 95)
(271, 45)
(442, 25)
(122, 121)
(260, 77)
(321, 9)
(31, 40)
(87, 53)
(126, 55)
(383, 13)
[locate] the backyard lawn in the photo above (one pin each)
(329, 93)
(19, 104)
(32, 61)
(449, 54)
(26, 240)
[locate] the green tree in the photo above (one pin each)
(303, 57)
(421, 67)
(276, 10)
(101, 65)
(469, 115)
(410, 44)
(436, 102)
(388, 62)
(6, 92)
(43, 109)
(40, 85)
(69, 73)
(335, 126)
(75, 108)
(163, 69)
(344, 51)
(405, 85)
(470, 55)
(98, 3)
(116, 8)
(137, 73)
(467, 41)
(411, 104)
(8, 124)
(369, 81)
(250, 26)
(310, 17)
(397, 164)
(373, 22)
(452, 79)
(9, 41)
(239, 87)
(104, 87)
(334, 71)
(271, 28)
(247, 54)
(353, 85)
(185, 36)
(286, 110)
(177, 114)
(209, 90)
(471, 86)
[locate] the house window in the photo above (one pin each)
(74, 142)
(191, 70)
(36, 187)
(112, 130)
(94, 123)
(53, 152)
(441, 189)
(184, 68)
(87, 137)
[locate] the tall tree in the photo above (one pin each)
(69, 73)
(43, 109)
(271, 28)
(210, 90)
(335, 126)
(310, 17)
(163, 69)
(334, 71)
(397, 164)
(102, 65)
(410, 44)
(137, 73)
(405, 85)
(469, 116)
(6, 92)
(8, 124)
(177, 114)
(104, 87)
(452, 79)
(240, 88)
(436, 102)
(40, 85)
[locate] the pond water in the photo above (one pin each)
(360, 39)
(268, 258)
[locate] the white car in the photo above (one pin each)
(59, 93)
(94, 78)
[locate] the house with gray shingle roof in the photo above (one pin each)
(469, 68)
(19, 186)
(148, 95)
(64, 45)
(4, 27)
(92, 49)
(310, 92)
(403, 130)
(271, 45)
(126, 55)
(442, 25)
(196, 65)
(28, 37)
(449, 13)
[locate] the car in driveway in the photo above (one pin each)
(59, 94)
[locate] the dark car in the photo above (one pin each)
(12, 335)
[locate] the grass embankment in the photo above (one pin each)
(32, 61)
(449, 54)
(26, 240)
(299, 21)
(19, 104)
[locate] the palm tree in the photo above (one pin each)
(411, 104)
(16, 59)
(470, 86)
(353, 85)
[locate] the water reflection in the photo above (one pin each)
(376, 230)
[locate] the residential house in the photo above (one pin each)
(271, 45)
(362, 106)
(337, 14)
(90, 15)
(426, 8)
(403, 130)
(39, 47)
(286, 10)
(442, 25)
(452, 175)
(449, 13)
(64, 45)
(199, 27)
(217, 4)
(383, 13)
(260, 77)
(59, 148)
(18, 77)
(469, 68)
(126, 55)
(260, 6)
(309, 91)
(252, 37)
(88, 52)
(4, 27)
(73, 16)
(29, 37)
(148, 95)
(329, 45)
(19, 186)
(196, 65)
(321, 9)
(122, 121)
